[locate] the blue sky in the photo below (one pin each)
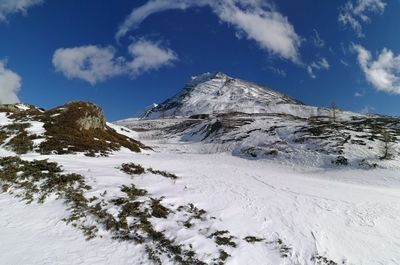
(124, 55)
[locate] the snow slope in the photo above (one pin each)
(347, 216)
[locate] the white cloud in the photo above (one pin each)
(149, 56)
(359, 94)
(96, 64)
(354, 13)
(384, 72)
(9, 7)
(90, 63)
(253, 19)
(10, 84)
(322, 64)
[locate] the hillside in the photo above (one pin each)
(216, 113)
(72, 128)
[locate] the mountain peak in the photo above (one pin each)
(219, 93)
(197, 79)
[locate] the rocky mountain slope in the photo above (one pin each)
(218, 93)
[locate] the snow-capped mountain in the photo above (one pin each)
(219, 93)
(215, 113)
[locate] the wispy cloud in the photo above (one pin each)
(354, 13)
(367, 109)
(96, 64)
(278, 71)
(254, 19)
(318, 42)
(322, 64)
(383, 72)
(344, 63)
(359, 94)
(343, 48)
(149, 56)
(10, 7)
(10, 84)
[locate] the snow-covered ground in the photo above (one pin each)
(222, 209)
(350, 216)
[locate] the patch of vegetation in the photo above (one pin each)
(16, 127)
(132, 192)
(38, 179)
(321, 260)
(284, 250)
(193, 212)
(341, 160)
(141, 230)
(135, 169)
(163, 173)
(132, 169)
(220, 239)
(3, 137)
(21, 143)
(253, 239)
(223, 256)
(367, 165)
(158, 210)
(272, 153)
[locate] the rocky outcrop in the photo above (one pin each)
(80, 126)
(77, 126)
(91, 116)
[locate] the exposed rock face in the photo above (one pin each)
(90, 122)
(91, 116)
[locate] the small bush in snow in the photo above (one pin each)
(341, 160)
(132, 169)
